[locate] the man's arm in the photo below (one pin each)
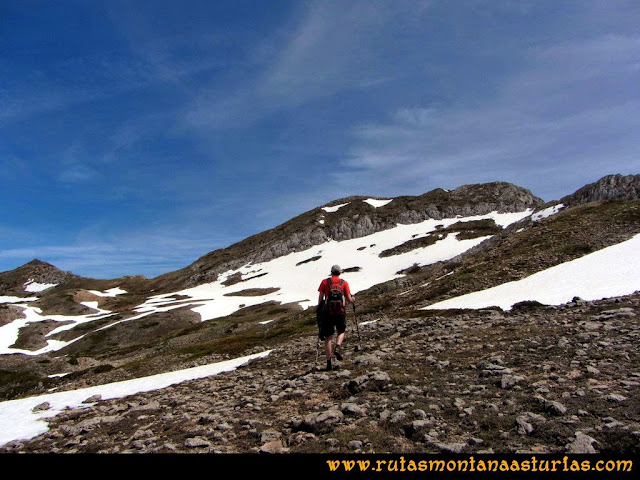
(347, 294)
(321, 289)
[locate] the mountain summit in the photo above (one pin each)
(35, 273)
(349, 218)
(611, 187)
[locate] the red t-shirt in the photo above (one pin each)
(324, 286)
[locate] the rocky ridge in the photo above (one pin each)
(611, 187)
(355, 218)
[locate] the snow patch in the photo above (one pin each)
(377, 203)
(18, 421)
(547, 212)
(10, 299)
(33, 286)
(112, 292)
(610, 272)
(335, 208)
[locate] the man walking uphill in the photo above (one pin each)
(331, 299)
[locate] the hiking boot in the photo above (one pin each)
(328, 369)
(337, 352)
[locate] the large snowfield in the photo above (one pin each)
(605, 273)
(610, 272)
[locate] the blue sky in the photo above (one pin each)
(136, 136)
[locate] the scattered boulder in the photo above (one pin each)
(508, 381)
(526, 422)
(197, 442)
(553, 407)
(274, 446)
(323, 420)
(41, 407)
(582, 443)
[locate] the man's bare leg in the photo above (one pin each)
(328, 343)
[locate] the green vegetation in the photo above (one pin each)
(15, 383)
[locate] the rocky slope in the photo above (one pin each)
(536, 379)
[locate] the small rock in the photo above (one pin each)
(526, 420)
(352, 409)
(41, 407)
(398, 416)
(443, 364)
(581, 444)
(93, 399)
(524, 427)
(420, 424)
(332, 442)
(378, 376)
(197, 442)
(508, 381)
(615, 397)
(593, 370)
(330, 417)
(446, 447)
(553, 407)
(368, 359)
(269, 436)
(300, 438)
(274, 446)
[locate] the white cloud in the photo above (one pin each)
(150, 252)
(328, 48)
(573, 113)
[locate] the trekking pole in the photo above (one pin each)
(355, 319)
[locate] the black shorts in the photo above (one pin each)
(332, 323)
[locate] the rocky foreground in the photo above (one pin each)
(534, 379)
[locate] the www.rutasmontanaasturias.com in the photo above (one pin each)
(533, 464)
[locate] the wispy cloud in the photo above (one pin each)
(330, 47)
(150, 252)
(571, 113)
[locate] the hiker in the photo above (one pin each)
(332, 294)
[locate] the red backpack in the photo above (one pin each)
(334, 303)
